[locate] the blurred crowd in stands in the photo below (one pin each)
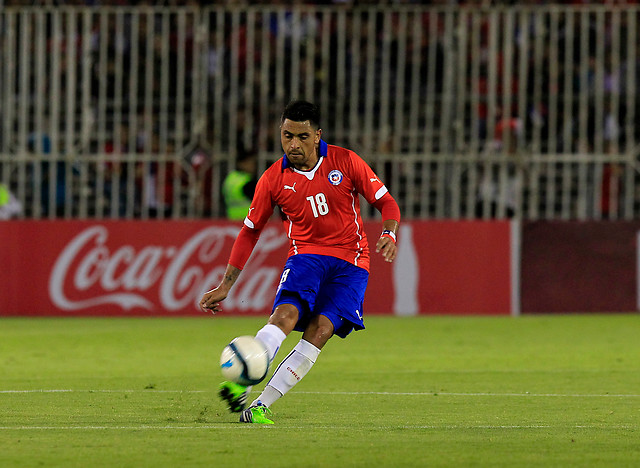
(174, 3)
(153, 186)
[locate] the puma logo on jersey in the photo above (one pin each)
(373, 179)
(291, 187)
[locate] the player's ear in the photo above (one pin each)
(318, 135)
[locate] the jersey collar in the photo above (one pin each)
(322, 152)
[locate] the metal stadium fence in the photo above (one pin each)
(117, 112)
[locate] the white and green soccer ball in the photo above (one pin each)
(245, 361)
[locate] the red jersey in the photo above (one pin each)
(320, 207)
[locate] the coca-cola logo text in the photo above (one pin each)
(89, 272)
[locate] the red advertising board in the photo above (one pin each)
(449, 267)
(67, 268)
(574, 266)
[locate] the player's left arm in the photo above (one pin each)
(387, 243)
(375, 192)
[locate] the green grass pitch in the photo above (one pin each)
(540, 391)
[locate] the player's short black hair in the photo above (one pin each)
(299, 111)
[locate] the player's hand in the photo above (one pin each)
(387, 248)
(210, 301)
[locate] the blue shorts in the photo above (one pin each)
(324, 285)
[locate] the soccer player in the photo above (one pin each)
(321, 291)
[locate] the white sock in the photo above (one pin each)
(272, 337)
(268, 396)
(290, 371)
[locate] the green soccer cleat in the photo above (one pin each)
(235, 395)
(256, 414)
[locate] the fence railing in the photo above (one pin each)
(117, 112)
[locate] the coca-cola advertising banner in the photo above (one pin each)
(134, 268)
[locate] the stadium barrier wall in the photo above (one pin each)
(578, 266)
(161, 268)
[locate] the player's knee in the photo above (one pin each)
(285, 316)
(318, 332)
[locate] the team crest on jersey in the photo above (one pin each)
(335, 177)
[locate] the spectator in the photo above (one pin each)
(239, 185)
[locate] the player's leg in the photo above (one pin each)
(280, 324)
(299, 361)
(295, 299)
(291, 370)
(272, 335)
(300, 273)
(286, 314)
(337, 309)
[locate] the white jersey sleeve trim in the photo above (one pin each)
(249, 223)
(381, 192)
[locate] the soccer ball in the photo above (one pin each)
(245, 361)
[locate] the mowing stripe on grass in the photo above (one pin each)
(472, 394)
(145, 427)
(480, 394)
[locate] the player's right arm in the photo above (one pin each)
(259, 213)
(240, 253)
(210, 301)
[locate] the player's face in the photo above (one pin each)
(299, 142)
